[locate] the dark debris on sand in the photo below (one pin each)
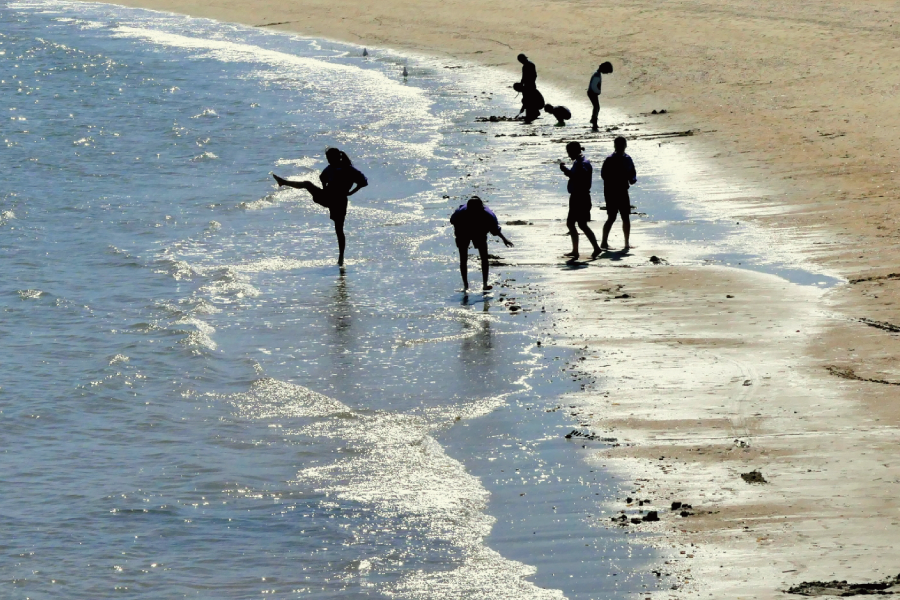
(883, 325)
(753, 477)
(842, 589)
(876, 278)
(589, 436)
(848, 373)
(497, 119)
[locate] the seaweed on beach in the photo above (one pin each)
(848, 373)
(753, 477)
(497, 119)
(883, 325)
(646, 136)
(876, 278)
(844, 589)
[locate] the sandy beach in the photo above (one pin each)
(708, 373)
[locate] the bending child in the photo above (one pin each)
(471, 224)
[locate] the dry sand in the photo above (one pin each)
(799, 99)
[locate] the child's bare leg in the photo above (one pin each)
(485, 266)
(607, 227)
(573, 233)
(293, 184)
(589, 234)
(339, 230)
(464, 265)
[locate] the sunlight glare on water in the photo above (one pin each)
(196, 402)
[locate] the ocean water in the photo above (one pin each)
(196, 402)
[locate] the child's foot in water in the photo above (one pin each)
(487, 288)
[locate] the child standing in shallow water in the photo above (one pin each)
(471, 224)
(338, 181)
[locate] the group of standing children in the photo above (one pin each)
(473, 221)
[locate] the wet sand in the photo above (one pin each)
(698, 387)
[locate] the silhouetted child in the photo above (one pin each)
(529, 72)
(579, 188)
(532, 102)
(618, 175)
(471, 224)
(338, 181)
(561, 113)
(593, 91)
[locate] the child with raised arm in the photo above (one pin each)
(579, 188)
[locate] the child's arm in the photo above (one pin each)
(360, 181)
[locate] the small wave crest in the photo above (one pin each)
(30, 294)
(203, 307)
(198, 339)
(118, 358)
(264, 202)
(304, 163)
(199, 333)
(205, 156)
(207, 113)
(180, 270)
(227, 284)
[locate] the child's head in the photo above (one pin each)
(337, 158)
(475, 203)
(522, 58)
(620, 144)
(548, 108)
(574, 150)
(606, 68)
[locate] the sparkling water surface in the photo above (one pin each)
(196, 401)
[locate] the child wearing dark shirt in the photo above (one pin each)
(338, 181)
(471, 224)
(561, 113)
(618, 175)
(579, 188)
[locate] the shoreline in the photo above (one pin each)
(798, 526)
